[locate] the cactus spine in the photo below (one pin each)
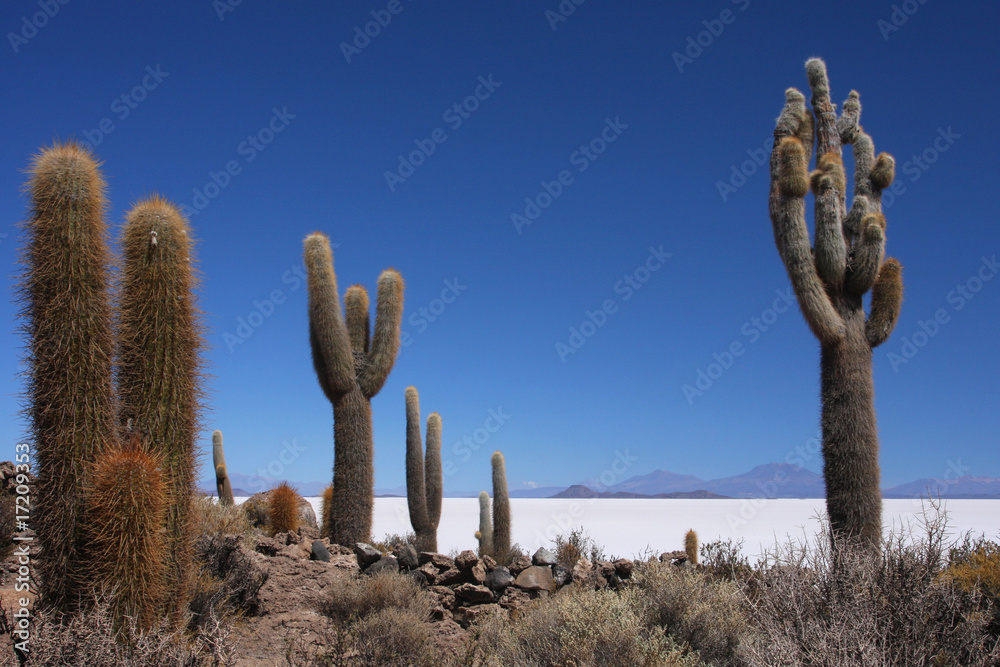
(127, 508)
(352, 365)
(64, 297)
(501, 510)
(485, 532)
(830, 280)
(691, 546)
(283, 510)
(222, 485)
(159, 382)
(423, 479)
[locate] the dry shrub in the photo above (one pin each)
(974, 566)
(394, 637)
(830, 604)
(228, 581)
(210, 519)
(393, 540)
(357, 597)
(583, 628)
(92, 638)
(704, 612)
(571, 548)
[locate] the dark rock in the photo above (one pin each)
(418, 577)
(466, 560)
(384, 564)
(535, 578)
(519, 565)
(407, 556)
(624, 568)
(449, 577)
(544, 557)
(319, 552)
(499, 578)
(440, 561)
(474, 593)
(429, 571)
(514, 598)
(561, 575)
(367, 554)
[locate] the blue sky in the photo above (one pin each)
(620, 123)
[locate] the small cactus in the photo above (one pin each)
(70, 400)
(126, 500)
(324, 511)
(485, 532)
(283, 510)
(691, 547)
(501, 509)
(222, 485)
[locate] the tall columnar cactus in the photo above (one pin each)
(352, 365)
(64, 298)
(691, 546)
(424, 480)
(222, 485)
(159, 378)
(830, 279)
(126, 502)
(485, 532)
(501, 509)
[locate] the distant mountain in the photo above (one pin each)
(960, 487)
(581, 491)
(771, 480)
(659, 481)
(537, 492)
(247, 485)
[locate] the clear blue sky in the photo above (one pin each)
(325, 132)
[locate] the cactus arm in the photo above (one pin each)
(827, 135)
(356, 305)
(831, 246)
(385, 342)
(887, 296)
(331, 347)
(501, 510)
(787, 208)
(416, 498)
(485, 532)
(866, 256)
(434, 484)
(222, 485)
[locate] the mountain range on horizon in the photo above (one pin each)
(769, 480)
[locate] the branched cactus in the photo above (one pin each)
(159, 381)
(283, 510)
(64, 299)
(222, 485)
(691, 546)
(830, 278)
(501, 509)
(324, 511)
(423, 479)
(485, 532)
(352, 364)
(126, 502)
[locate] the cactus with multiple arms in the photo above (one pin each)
(351, 365)
(126, 501)
(222, 485)
(501, 509)
(64, 298)
(159, 378)
(830, 279)
(424, 479)
(485, 532)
